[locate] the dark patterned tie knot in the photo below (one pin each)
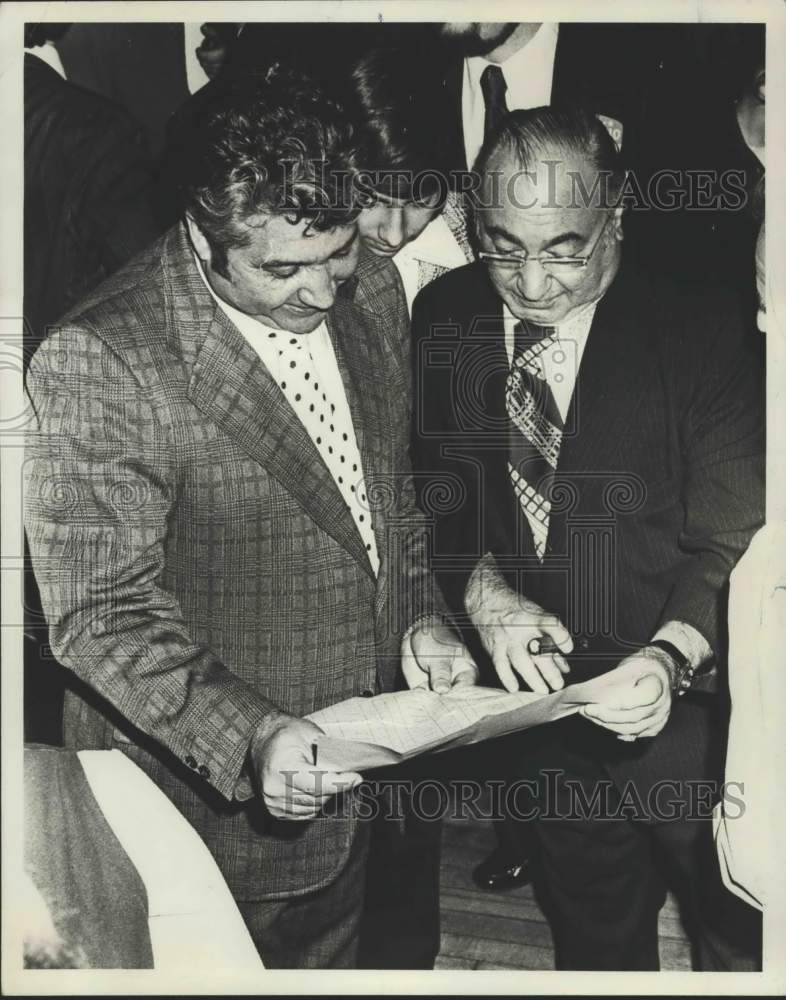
(528, 334)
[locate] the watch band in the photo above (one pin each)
(683, 677)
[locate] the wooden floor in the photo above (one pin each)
(507, 930)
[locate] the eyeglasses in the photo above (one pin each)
(512, 260)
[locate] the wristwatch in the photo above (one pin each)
(683, 673)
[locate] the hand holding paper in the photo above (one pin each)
(433, 656)
(633, 699)
(292, 787)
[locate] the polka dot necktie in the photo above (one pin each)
(535, 429)
(319, 401)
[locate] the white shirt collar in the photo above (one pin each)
(48, 53)
(251, 327)
(528, 74)
(518, 67)
(577, 321)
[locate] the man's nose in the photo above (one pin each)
(319, 290)
(532, 280)
(391, 228)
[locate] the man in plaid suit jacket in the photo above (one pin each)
(203, 576)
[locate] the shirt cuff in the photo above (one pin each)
(430, 616)
(688, 640)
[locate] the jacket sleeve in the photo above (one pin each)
(99, 487)
(409, 533)
(722, 430)
(443, 488)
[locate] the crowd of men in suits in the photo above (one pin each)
(396, 250)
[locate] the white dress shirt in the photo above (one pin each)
(304, 367)
(434, 252)
(528, 74)
(196, 77)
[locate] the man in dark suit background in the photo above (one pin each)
(220, 510)
(87, 186)
(606, 430)
(490, 68)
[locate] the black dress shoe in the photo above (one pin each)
(499, 871)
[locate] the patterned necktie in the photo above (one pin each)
(535, 429)
(493, 86)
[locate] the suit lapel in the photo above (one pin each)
(480, 380)
(562, 79)
(358, 349)
(608, 387)
(233, 388)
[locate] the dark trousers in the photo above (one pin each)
(382, 912)
(603, 876)
(319, 930)
(400, 926)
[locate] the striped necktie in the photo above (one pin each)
(535, 430)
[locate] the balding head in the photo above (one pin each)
(550, 182)
(569, 136)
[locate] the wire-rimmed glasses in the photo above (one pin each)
(512, 260)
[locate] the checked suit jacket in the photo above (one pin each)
(658, 488)
(196, 562)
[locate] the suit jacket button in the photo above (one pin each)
(367, 693)
(190, 761)
(203, 771)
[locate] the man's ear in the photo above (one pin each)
(616, 225)
(198, 241)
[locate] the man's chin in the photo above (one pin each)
(548, 313)
(296, 322)
(469, 41)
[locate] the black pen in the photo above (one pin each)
(314, 749)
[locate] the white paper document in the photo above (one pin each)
(361, 733)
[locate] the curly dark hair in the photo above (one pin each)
(270, 142)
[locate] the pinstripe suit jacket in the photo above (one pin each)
(196, 562)
(658, 489)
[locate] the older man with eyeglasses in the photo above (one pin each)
(605, 428)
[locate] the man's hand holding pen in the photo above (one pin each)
(527, 642)
(291, 783)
